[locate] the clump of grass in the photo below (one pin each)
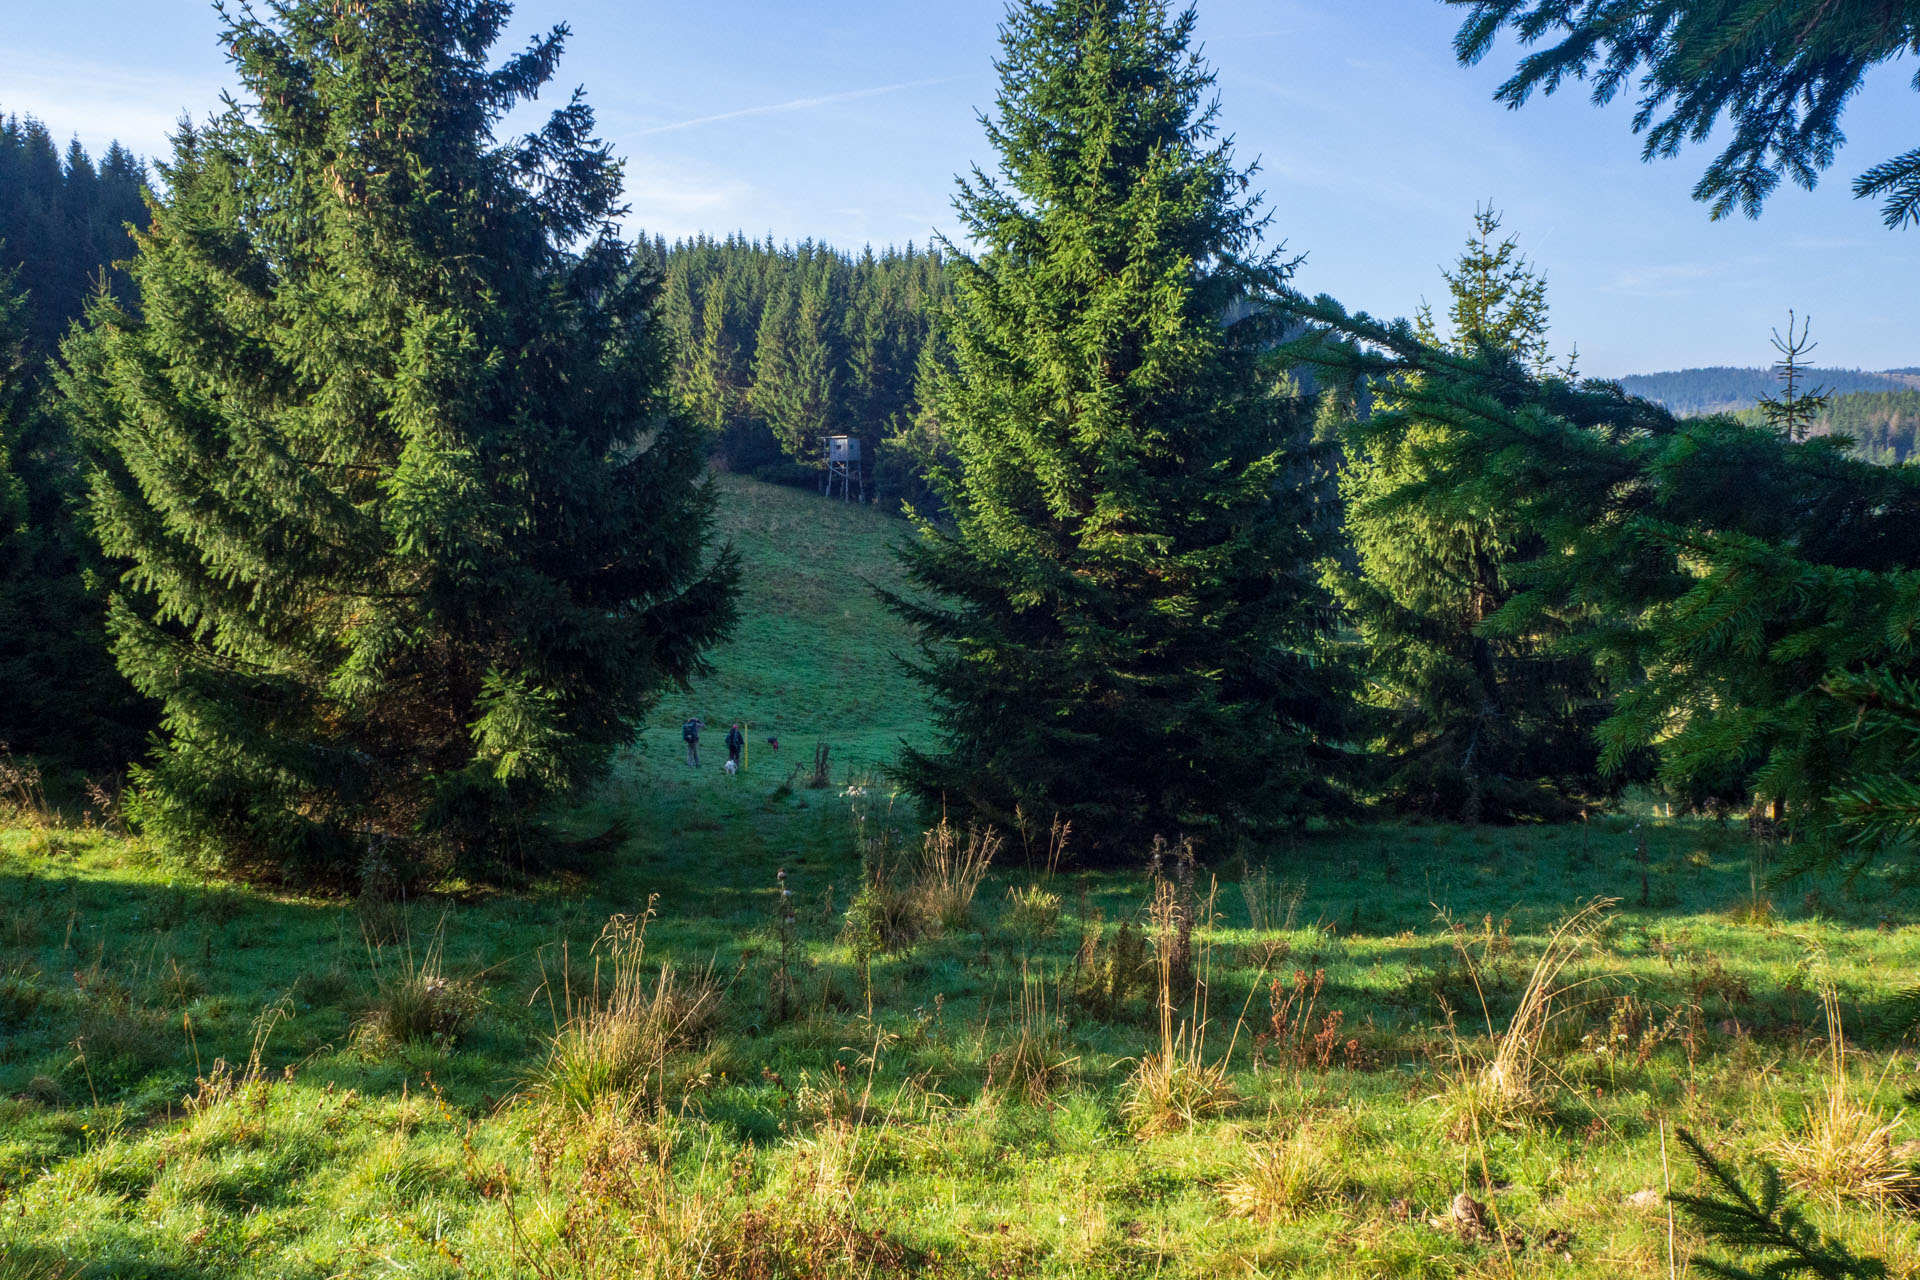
(1846, 1148)
(20, 1263)
(21, 993)
(620, 1042)
(417, 1004)
(1033, 1064)
(642, 1205)
(906, 895)
(1059, 834)
(1175, 1086)
(419, 1008)
(1033, 913)
(1284, 1177)
(1271, 904)
(1513, 1083)
(119, 1042)
(948, 872)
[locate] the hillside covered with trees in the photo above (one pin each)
(777, 346)
(1723, 389)
(1881, 424)
(63, 223)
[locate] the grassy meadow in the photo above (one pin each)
(716, 1055)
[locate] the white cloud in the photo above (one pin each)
(674, 200)
(102, 103)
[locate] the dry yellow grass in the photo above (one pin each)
(1286, 1176)
(1846, 1146)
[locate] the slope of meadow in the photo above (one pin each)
(961, 1076)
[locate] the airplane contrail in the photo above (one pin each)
(798, 104)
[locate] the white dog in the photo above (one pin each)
(732, 766)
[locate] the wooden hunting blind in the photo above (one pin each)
(843, 464)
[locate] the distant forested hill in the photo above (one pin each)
(63, 221)
(1723, 389)
(1883, 424)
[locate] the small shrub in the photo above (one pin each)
(1765, 1224)
(1294, 1035)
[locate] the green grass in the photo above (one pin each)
(871, 1127)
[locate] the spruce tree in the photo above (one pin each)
(1472, 724)
(1746, 597)
(1121, 624)
(415, 541)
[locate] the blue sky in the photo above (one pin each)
(846, 121)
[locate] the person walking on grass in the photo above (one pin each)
(736, 742)
(690, 734)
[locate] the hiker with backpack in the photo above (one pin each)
(690, 734)
(736, 743)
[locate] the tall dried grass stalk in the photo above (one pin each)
(1033, 1064)
(1512, 1082)
(948, 872)
(1175, 1086)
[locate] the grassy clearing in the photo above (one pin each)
(205, 1081)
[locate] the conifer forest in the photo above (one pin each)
(533, 747)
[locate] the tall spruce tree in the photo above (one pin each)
(415, 539)
(1473, 723)
(1121, 624)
